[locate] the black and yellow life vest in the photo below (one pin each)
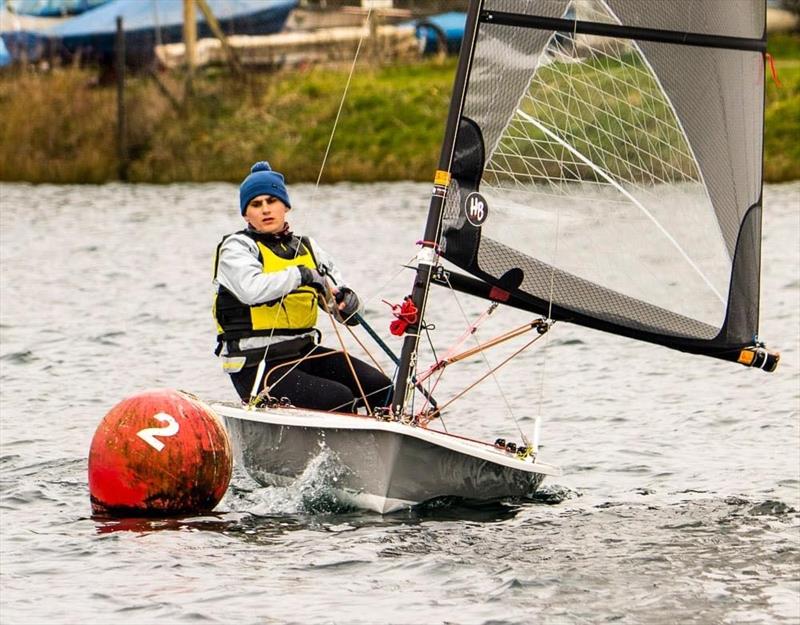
(295, 313)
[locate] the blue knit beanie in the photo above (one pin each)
(262, 181)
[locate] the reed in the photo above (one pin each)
(55, 128)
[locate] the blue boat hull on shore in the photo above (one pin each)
(5, 56)
(53, 8)
(442, 32)
(148, 23)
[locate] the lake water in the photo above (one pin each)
(681, 488)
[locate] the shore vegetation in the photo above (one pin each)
(60, 126)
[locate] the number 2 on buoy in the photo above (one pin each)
(148, 435)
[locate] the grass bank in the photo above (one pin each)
(59, 127)
(782, 114)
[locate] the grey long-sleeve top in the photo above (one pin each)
(240, 271)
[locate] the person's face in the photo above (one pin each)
(266, 214)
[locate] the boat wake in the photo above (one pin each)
(313, 492)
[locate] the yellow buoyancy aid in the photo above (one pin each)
(294, 313)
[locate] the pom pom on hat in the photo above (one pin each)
(260, 166)
(262, 181)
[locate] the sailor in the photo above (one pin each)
(270, 284)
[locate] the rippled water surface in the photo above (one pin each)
(681, 488)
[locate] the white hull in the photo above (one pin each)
(385, 465)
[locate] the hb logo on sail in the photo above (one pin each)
(476, 208)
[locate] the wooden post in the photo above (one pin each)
(213, 24)
(122, 131)
(189, 40)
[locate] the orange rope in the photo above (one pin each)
(479, 348)
(541, 325)
(771, 62)
(366, 351)
(491, 371)
(292, 363)
(346, 355)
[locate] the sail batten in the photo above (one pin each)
(686, 38)
(640, 132)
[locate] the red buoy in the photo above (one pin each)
(158, 453)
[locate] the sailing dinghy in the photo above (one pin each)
(602, 166)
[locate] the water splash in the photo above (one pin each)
(554, 494)
(313, 492)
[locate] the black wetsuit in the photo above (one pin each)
(322, 381)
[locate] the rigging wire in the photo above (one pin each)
(261, 365)
(439, 365)
(452, 351)
(364, 29)
(492, 372)
(540, 325)
(539, 417)
(431, 387)
(486, 360)
(422, 255)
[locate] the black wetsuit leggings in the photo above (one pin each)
(323, 381)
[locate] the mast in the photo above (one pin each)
(427, 257)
